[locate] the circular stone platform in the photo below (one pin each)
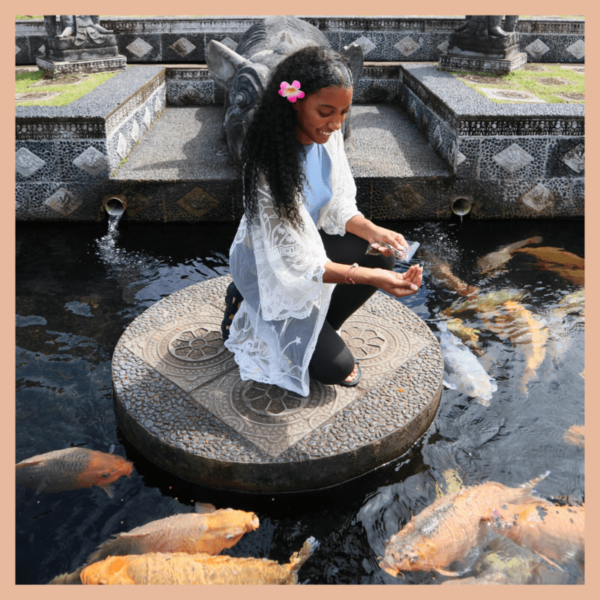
(180, 400)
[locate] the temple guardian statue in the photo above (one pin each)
(78, 44)
(482, 44)
(244, 72)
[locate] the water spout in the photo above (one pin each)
(461, 207)
(115, 206)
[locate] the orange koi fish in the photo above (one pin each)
(71, 469)
(468, 335)
(556, 533)
(519, 325)
(195, 569)
(442, 271)
(575, 435)
(449, 528)
(556, 256)
(494, 260)
(190, 533)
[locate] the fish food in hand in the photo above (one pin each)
(72, 469)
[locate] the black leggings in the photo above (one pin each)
(332, 360)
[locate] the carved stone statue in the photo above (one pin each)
(244, 72)
(484, 35)
(81, 41)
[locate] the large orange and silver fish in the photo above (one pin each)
(449, 528)
(468, 335)
(484, 303)
(567, 265)
(556, 256)
(191, 533)
(71, 469)
(442, 271)
(575, 435)
(556, 533)
(195, 569)
(519, 325)
(495, 260)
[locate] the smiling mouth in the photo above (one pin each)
(325, 133)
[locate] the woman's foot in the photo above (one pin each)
(352, 375)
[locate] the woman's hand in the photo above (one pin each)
(380, 234)
(399, 284)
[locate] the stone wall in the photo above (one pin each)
(528, 160)
(384, 39)
(64, 153)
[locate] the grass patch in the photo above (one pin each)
(68, 92)
(529, 81)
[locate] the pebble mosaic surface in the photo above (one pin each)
(174, 378)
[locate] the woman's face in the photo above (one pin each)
(322, 113)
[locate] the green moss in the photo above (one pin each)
(529, 81)
(68, 93)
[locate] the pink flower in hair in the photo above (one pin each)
(291, 92)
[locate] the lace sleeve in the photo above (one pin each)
(289, 263)
(342, 206)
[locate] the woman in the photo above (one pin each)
(301, 233)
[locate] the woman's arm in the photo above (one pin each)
(397, 284)
(367, 230)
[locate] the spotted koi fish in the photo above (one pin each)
(195, 569)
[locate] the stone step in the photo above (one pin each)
(186, 153)
(189, 144)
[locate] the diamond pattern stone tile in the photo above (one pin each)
(17, 50)
(182, 46)
(27, 163)
(537, 49)
(122, 146)
(539, 197)
(513, 158)
(135, 131)
(198, 202)
(406, 46)
(64, 202)
(92, 161)
(443, 47)
(139, 47)
(575, 158)
(577, 49)
(147, 118)
(366, 44)
(227, 41)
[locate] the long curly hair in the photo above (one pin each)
(270, 144)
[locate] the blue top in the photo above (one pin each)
(317, 169)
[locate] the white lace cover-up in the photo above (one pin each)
(279, 272)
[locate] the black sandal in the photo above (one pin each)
(356, 379)
(233, 300)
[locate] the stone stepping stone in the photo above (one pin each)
(180, 400)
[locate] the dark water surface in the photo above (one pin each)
(75, 297)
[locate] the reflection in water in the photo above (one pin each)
(78, 289)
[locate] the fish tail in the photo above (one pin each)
(116, 546)
(299, 558)
(533, 482)
(68, 578)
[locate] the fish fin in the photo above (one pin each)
(28, 463)
(534, 482)
(111, 449)
(41, 487)
(68, 578)
(204, 507)
(108, 488)
(299, 558)
(442, 326)
(550, 561)
(447, 573)
(452, 386)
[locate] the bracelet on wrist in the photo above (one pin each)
(352, 268)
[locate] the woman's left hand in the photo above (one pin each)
(395, 239)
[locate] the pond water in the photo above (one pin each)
(77, 292)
